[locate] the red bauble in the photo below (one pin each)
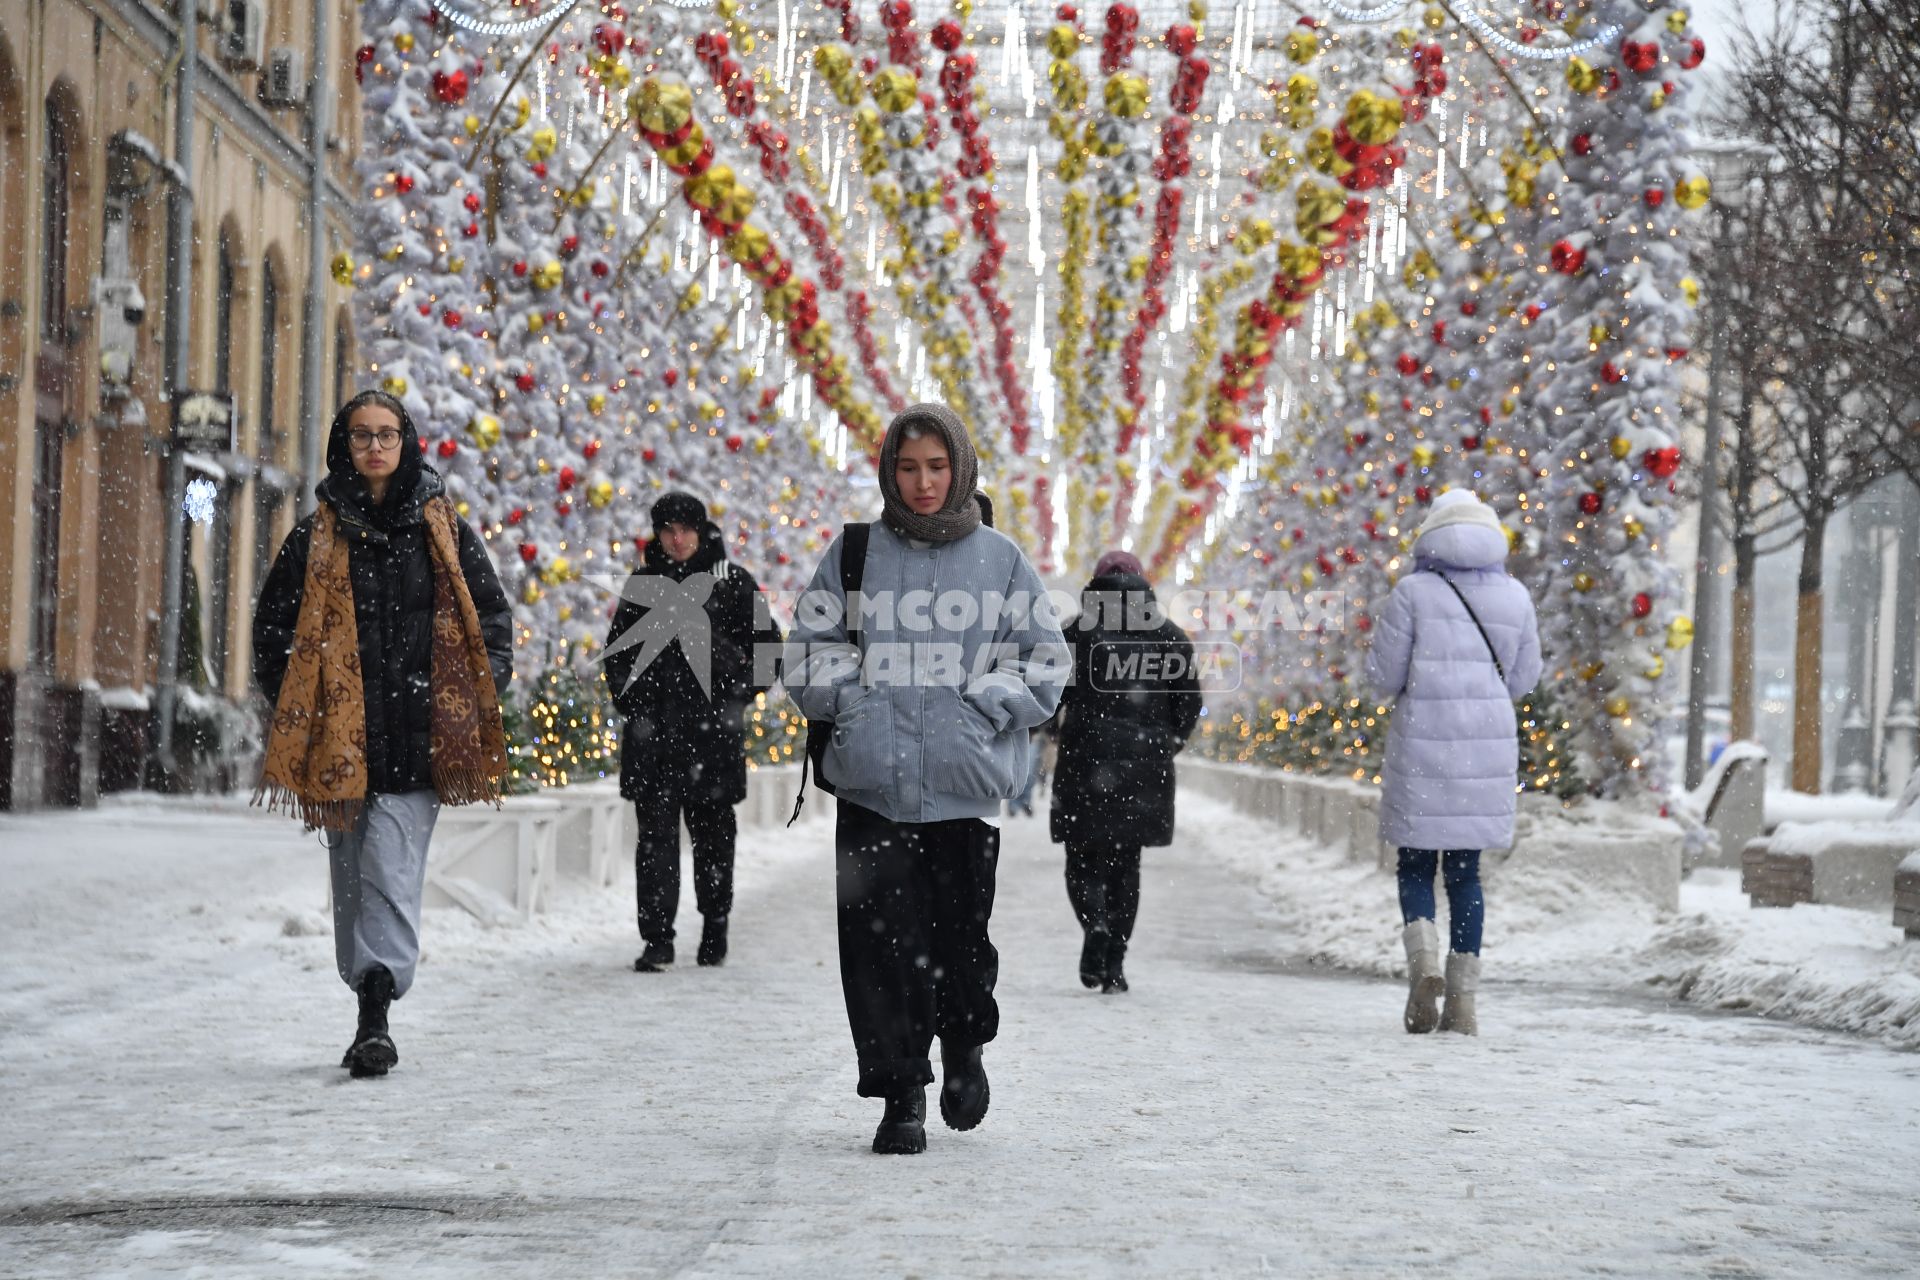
(1611, 373)
(569, 246)
(1640, 58)
(1655, 197)
(452, 318)
(1590, 503)
(1422, 494)
(646, 455)
(1583, 144)
(1566, 259)
(1696, 54)
(600, 269)
(402, 183)
(1182, 39)
(563, 507)
(528, 552)
(520, 268)
(450, 87)
(567, 478)
(590, 450)
(426, 308)
(735, 444)
(448, 448)
(1408, 363)
(472, 202)
(1469, 307)
(471, 230)
(525, 382)
(1469, 442)
(1642, 604)
(1661, 462)
(946, 35)
(670, 377)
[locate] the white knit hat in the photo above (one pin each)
(1458, 506)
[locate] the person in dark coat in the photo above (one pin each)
(414, 723)
(684, 748)
(1133, 703)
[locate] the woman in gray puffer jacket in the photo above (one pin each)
(959, 656)
(1455, 646)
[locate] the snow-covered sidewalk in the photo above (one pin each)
(170, 1024)
(1836, 968)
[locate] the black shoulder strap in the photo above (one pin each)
(1484, 637)
(853, 571)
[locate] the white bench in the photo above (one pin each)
(1639, 864)
(596, 830)
(496, 864)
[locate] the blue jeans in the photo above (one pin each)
(1466, 906)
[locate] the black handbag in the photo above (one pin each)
(853, 568)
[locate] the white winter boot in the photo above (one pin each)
(1463, 979)
(1424, 983)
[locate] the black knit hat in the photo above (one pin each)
(678, 508)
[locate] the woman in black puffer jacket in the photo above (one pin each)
(353, 746)
(1132, 705)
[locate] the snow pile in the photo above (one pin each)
(1830, 967)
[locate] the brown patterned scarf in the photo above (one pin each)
(317, 749)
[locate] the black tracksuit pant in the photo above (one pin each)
(1103, 883)
(656, 856)
(915, 959)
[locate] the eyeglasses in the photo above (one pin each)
(361, 441)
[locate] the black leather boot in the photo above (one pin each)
(713, 942)
(373, 1052)
(903, 1129)
(1116, 977)
(1093, 959)
(963, 1094)
(657, 958)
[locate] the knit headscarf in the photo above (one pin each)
(960, 514)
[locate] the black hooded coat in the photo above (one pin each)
(392, 573)
(671, 725)
(1133, 703)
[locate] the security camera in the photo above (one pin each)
(133, 304)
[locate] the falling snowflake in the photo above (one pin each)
(198, 503)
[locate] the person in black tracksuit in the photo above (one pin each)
(1132, 705)
(684, 750)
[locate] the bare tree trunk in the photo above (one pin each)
(1807, 657)
(1741, 680)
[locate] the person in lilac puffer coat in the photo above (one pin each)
(1456, 644)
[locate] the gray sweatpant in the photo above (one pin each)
(379, 869)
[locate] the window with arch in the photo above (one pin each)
(269, 493)
(56, 219)
(225, 285)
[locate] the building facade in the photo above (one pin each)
(89, 158)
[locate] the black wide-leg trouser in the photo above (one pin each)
(915, 959)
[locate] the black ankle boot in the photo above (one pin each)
(963, 1094)
(657, 958)
(1093, 958)
(713, 942)
(1116, 978)
(373, 1052)
(903, 1129)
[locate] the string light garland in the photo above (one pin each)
(1485, 31)
(510, 30)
